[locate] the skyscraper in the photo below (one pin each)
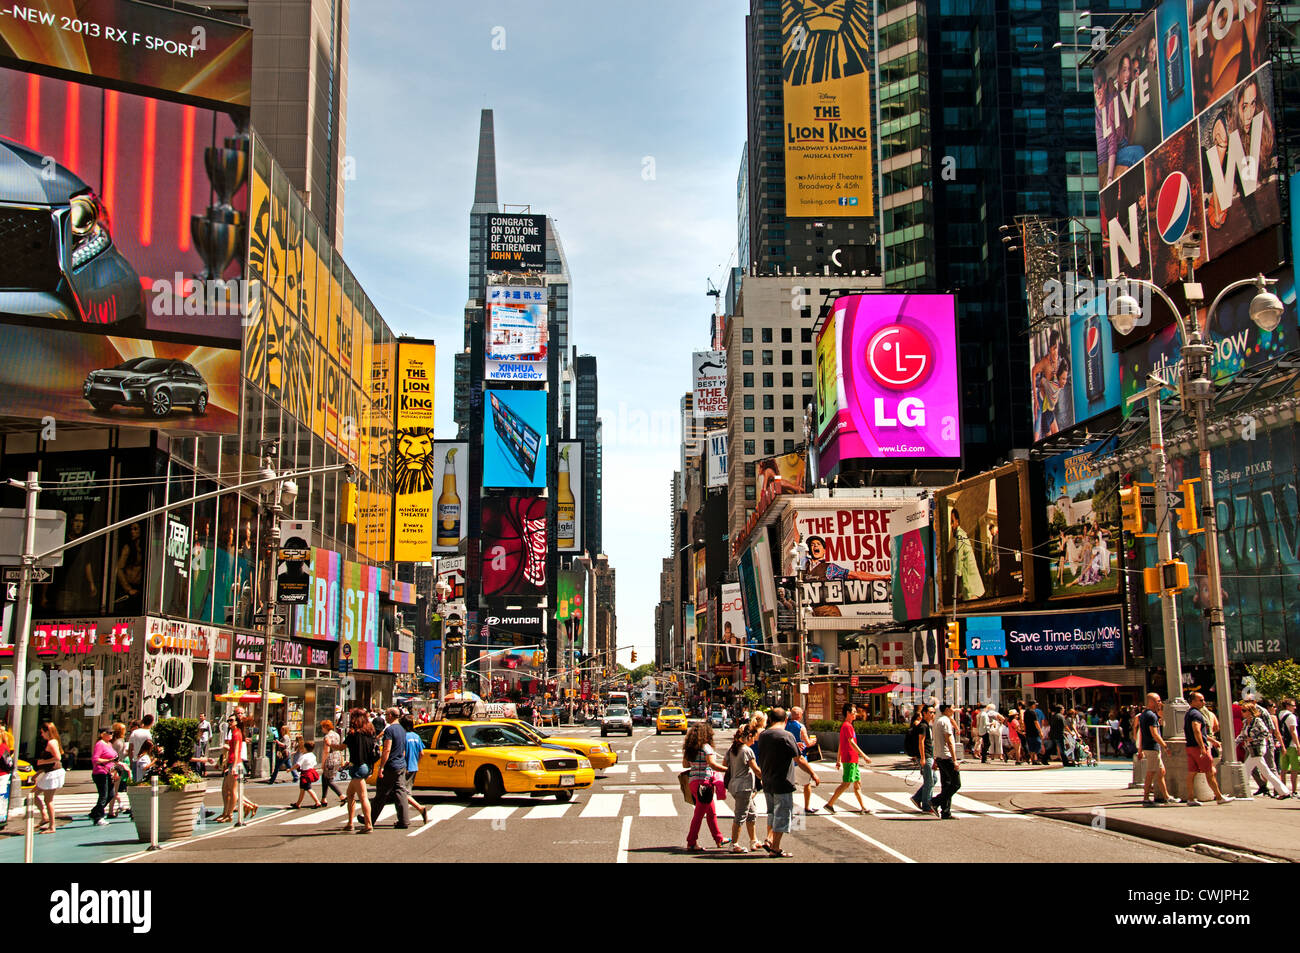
(588, 431)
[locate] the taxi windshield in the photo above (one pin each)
(494, 736)
(671, 712)
(616, 712)
(529, 730)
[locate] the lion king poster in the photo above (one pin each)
(826, 67)
(414, 461)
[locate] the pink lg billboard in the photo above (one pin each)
(894, 367)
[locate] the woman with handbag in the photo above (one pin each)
(706, 785)
(332, 749)
(362, 755)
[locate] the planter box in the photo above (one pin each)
(178, 811)
(871, 744)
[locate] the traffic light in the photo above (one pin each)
(634, 656)
(954, 640)
(1188, 517)
(1130, 507)
(253, 682)
(275, 681)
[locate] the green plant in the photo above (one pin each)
(860, 727)
(751, 697)
(175, 739)
(1274, 680)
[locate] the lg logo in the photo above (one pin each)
(899, 358)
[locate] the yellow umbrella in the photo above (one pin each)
(250, 698)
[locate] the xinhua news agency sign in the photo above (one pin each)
(1092, 639)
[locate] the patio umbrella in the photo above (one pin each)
(462, 696)
(1072, 682)
(892, 687)
(239, 696)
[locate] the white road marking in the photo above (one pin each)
(319, 816)
(656, 805)
(649, 767)
(870, 840)
(615, 769)
(497, 813)
(547, 810)
(437, 812)
(602, 805)
(624, 838)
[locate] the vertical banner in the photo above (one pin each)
(414, 461)
(734, 635)
(568, 498)
(716, 441)
(912, 548)
(293, 575)
(451, 477)
(827, 57)
(710, 383)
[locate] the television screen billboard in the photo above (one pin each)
(912, 549)
(896, 380)
(1082, 524)
(516, 243)
(514, 546)
(517, 334)
(827, 58)
(985, 531)
(514, 438)
(1186, 136)
(1092, 638)
(710, 380)
(788, 472)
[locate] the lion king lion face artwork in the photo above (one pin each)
(415, 462)
(825, 39)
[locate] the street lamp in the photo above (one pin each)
(799, 560)
(1196, 387)
(442, 593)
(278, 494)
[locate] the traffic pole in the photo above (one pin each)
(153, 813)
(24, 625)
(30, 801)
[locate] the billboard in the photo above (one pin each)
(787, 473)
(733, 624)
(568, 498)
(827, 57)
(984, 530)
(343, 606)
(451, 479)
(1095, 378)
(1186, 136)
(710, 381)
(912, 551)
(119, 262)
(896, 380)
(414, 459)
(516, 242)
(716, 450)
(182, 52)
(1052, 640)
(1238, 342)
(850, 561)
(1051, 396)
(1082, 524)
(513, 544)
(514, 438)
(517, 334)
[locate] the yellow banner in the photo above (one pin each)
(827, 88)
(413, 462)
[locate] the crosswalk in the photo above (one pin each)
(1049, 781)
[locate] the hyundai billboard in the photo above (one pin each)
(896, 390)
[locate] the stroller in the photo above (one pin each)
(1083, 752)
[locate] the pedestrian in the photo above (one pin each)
(103, 767)
(848, 755)
(777, 751)
(924, 741)
(945, 757)
(414, 752)
(706, 786)
(1057, 735)
(138, 737)
(1256, 735)
(1033, 733)
(994, 723)
(799, 731)
(203, 739)
(390, 772)
(331, 756)
(377, 720)
(122, 769)
(982, 729)
(362, 754)
(233, 771)
(1013, 736)
(742, 774)
(280, 743)
(50, 776)
(1288, 728)
(308, 774)
(1151, 744)
(145, 763)
(1268, 711)
(1200, 750)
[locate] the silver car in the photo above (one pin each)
(616, 718)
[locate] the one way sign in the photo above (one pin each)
(39, 574)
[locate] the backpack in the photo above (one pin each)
(1286, 719)
(911, 741)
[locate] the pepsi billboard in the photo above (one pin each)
(895, 393)
(1186, 136)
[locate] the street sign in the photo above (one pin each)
(39, 574)
(345, 664)
(262, 619)
(853, 681)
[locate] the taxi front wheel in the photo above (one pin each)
(490, 784)
(564, 797)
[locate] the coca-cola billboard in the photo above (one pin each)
(514, 546)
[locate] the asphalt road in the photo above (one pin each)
(635, 814)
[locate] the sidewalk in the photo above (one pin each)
(1260, 826)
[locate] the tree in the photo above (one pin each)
(1274, 680)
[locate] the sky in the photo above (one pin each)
(625, 123)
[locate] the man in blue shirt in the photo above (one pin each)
(390, 772)
(1152, 743)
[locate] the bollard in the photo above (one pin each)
(153, 813)
(27, 828)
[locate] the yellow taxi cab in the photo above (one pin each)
(670, 719)
(494, 758)
(26, 776)
(600, 755)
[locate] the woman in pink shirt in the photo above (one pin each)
(103, 765)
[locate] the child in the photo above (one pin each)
(308, 774)
(144, 763)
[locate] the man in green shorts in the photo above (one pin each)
(848, 755)
(1289, 760)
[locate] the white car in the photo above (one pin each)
(616, 718)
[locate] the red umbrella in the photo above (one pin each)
(1072, 682)
(891, 687)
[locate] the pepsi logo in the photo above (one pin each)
(899, 357)
(1173, 207)
(1092, 339)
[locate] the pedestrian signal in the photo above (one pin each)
(253, 682)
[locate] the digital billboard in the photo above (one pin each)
(1049, 640)
(343, 606)
(896, 380)
(912, 549)
(984, 529)
(1050, 395)
(1186, 136)
(450, 481)
(514, 546)
(827, 58)
(516, 242)
(709, 376)
(1095, 375)
(517, 334)
(733, 625)
(514, 438)
(1082, 524)
(414, 457)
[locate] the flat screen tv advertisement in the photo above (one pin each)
(896, 373)
(514, 438)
